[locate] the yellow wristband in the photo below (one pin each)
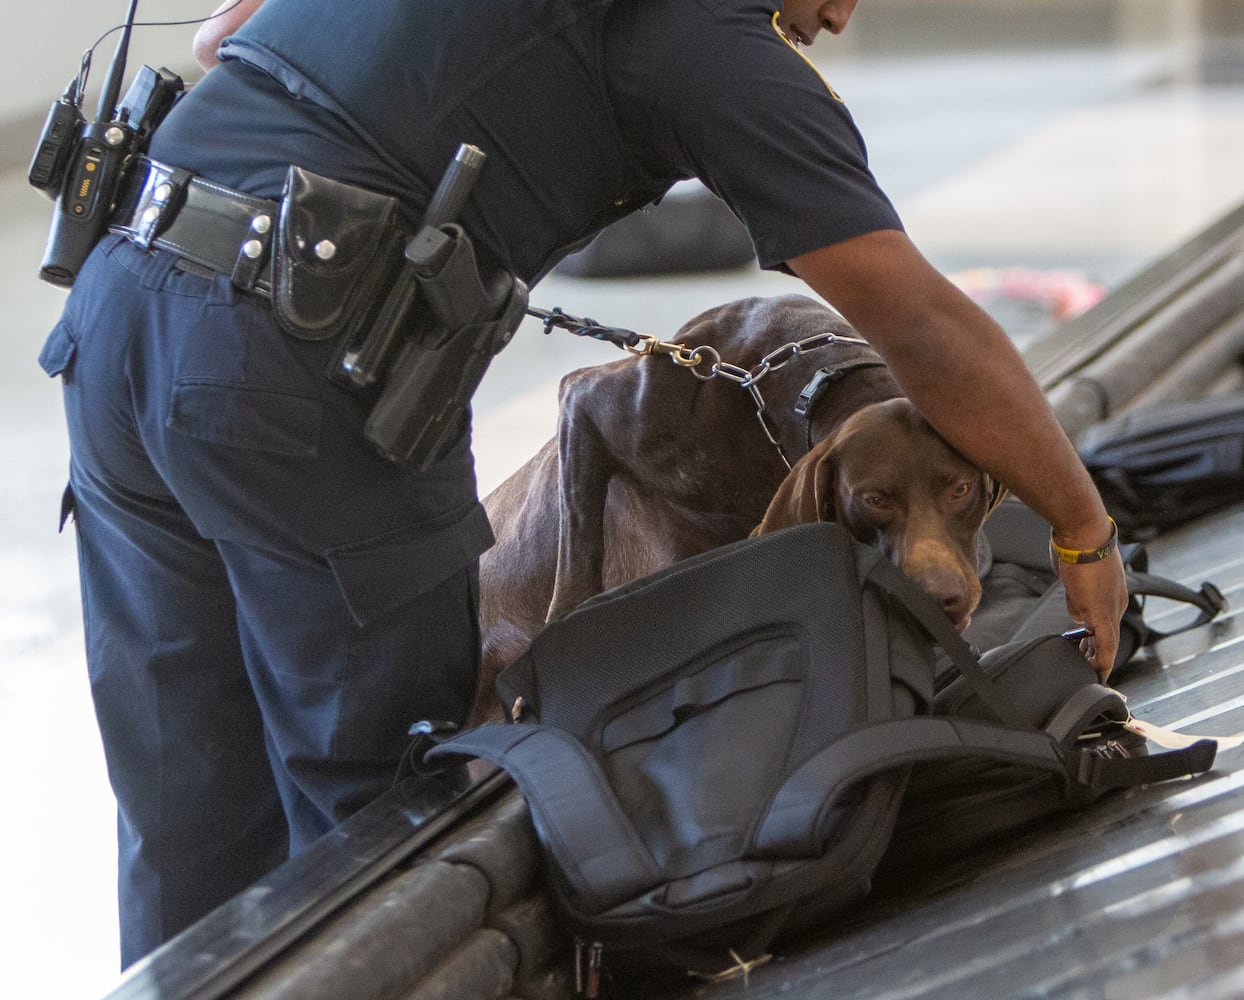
(1087, 555)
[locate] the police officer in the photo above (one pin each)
(268, 605)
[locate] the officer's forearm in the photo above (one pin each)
(962, 372)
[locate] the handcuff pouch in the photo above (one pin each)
(336, 247)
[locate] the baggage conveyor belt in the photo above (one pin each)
(420, 894)
(425, 895)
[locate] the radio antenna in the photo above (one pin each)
(116, 71)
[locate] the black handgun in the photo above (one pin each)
(437, 330)
(366, 363)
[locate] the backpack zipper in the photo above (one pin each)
(587, 980)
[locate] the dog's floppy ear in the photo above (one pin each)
(997, 493)
(805, 495)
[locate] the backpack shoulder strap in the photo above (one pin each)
(572, 806)
(1085, 705)
(907, 596)
(1208, 600)
(792, 825)
(1101, 770)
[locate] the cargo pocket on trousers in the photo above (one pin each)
(382, 574)
(56, 359)
(58, 351)
(257, 419)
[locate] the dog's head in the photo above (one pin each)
(892, 481)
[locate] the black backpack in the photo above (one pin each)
(1162, 465)
(723, 748)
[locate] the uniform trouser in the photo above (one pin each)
(268, 606)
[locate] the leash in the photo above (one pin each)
(705, 362)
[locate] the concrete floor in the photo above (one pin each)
(1091, 160)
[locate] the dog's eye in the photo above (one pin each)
(876, 501)
(961, 489)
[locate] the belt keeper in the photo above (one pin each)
(253, 253)
(162, 195)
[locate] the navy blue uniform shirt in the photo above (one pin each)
(587, 109)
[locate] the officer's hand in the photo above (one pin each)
(1096, 599)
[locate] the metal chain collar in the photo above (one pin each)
(704, 362)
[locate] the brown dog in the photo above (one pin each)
(651, 465)
(891, 480)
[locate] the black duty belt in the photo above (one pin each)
(207, 224)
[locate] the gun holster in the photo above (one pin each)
(466, 320)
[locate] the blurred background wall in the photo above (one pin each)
(45, 45)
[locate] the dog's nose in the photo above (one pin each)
(957, 610)
(948, 590)
(944, 575)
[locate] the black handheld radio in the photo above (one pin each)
(81, 163)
